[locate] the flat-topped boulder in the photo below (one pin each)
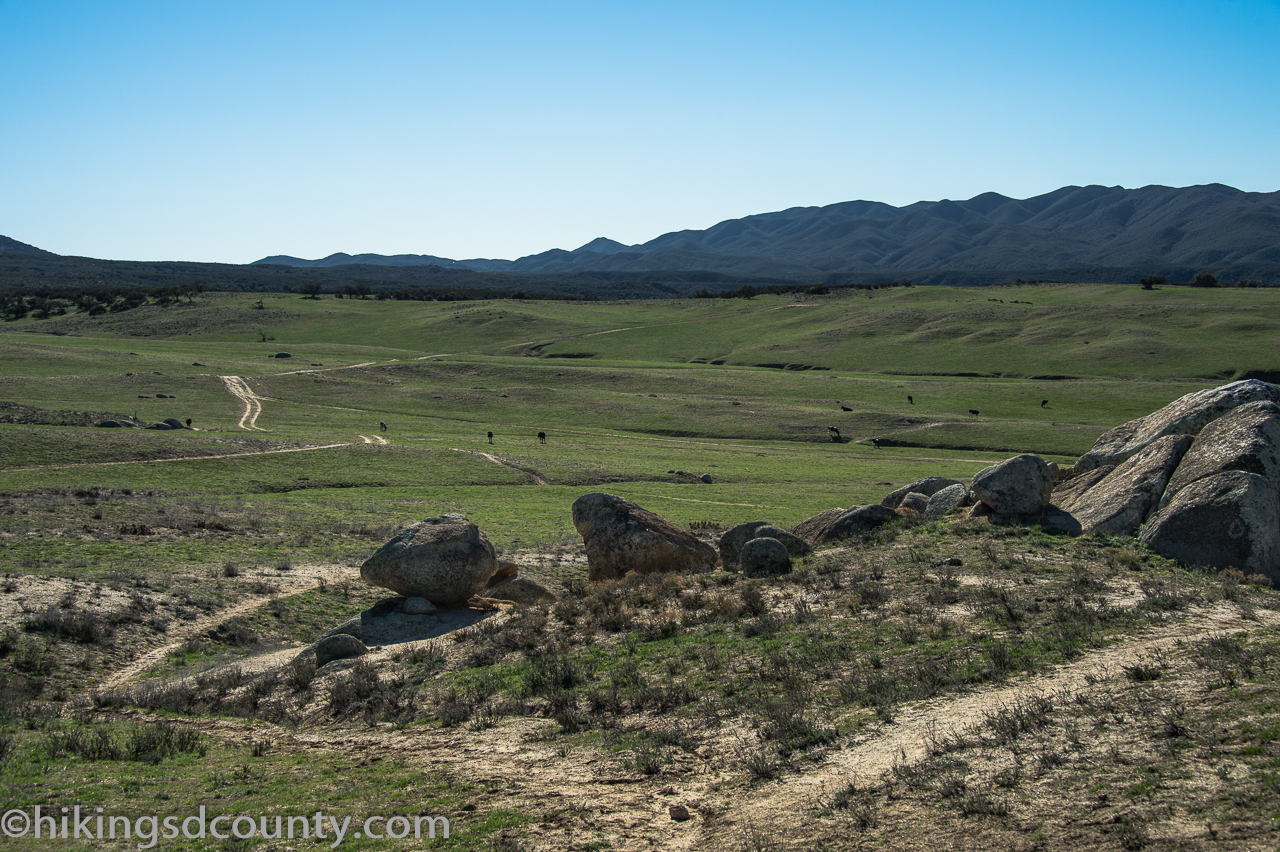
(622, 538)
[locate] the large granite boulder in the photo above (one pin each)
(1184, 416)
(928, 486)
(855, 521)
(445, 560)
(764, 557)
(1021, 485)
(1246, 438)
(620, 538)
(1225, 520)
(731, 542)
(1119, 503)
(811, 529)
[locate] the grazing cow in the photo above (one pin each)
(835, 433)
(188, 422)
(875, 442)
(973, 411)
(910, 400)
(1044, 403)
(382, 426)
(490, 437)
(542, 437)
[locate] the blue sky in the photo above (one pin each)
(233, 130)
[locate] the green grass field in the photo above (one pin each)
(928, 683)
(646, 402)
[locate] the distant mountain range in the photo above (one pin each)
(1158, 229)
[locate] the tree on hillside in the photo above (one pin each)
(310, 289)
(1151, 281)
(1204, 279)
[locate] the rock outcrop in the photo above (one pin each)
(1119, 502)
(855, 521)
(1246, 438)
(1225, 520)
(445, 560)
(621, 538)
(1184, 416)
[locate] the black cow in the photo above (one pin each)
(490, 437)
(973, 411)
(382, 426)
(1044, 403)
(875, 442)
(542, 437)
(910, 400)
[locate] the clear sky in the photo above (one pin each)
(228, 131)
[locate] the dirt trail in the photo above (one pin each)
(240, 389)
(905, 740)
(300, 579)
(490, 457)
(374, 439)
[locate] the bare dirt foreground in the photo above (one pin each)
(1134, 741)
(617, 809)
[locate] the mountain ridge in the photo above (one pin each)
(1209, 225)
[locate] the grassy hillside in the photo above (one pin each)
(132, 553)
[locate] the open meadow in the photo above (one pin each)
(941, 684)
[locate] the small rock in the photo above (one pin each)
(706, 477)
(915, 501)
(764, 557)
(679, 813)
(520, 590)
(339, 646)
(941, 502)
(417, 606)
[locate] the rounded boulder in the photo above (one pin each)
(445, 560)
(764, 557)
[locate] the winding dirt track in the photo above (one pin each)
(240, 389)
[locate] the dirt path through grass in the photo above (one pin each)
(490, 457)
(906, 739)
(301, 578)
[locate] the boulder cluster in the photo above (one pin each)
(1197, 481)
